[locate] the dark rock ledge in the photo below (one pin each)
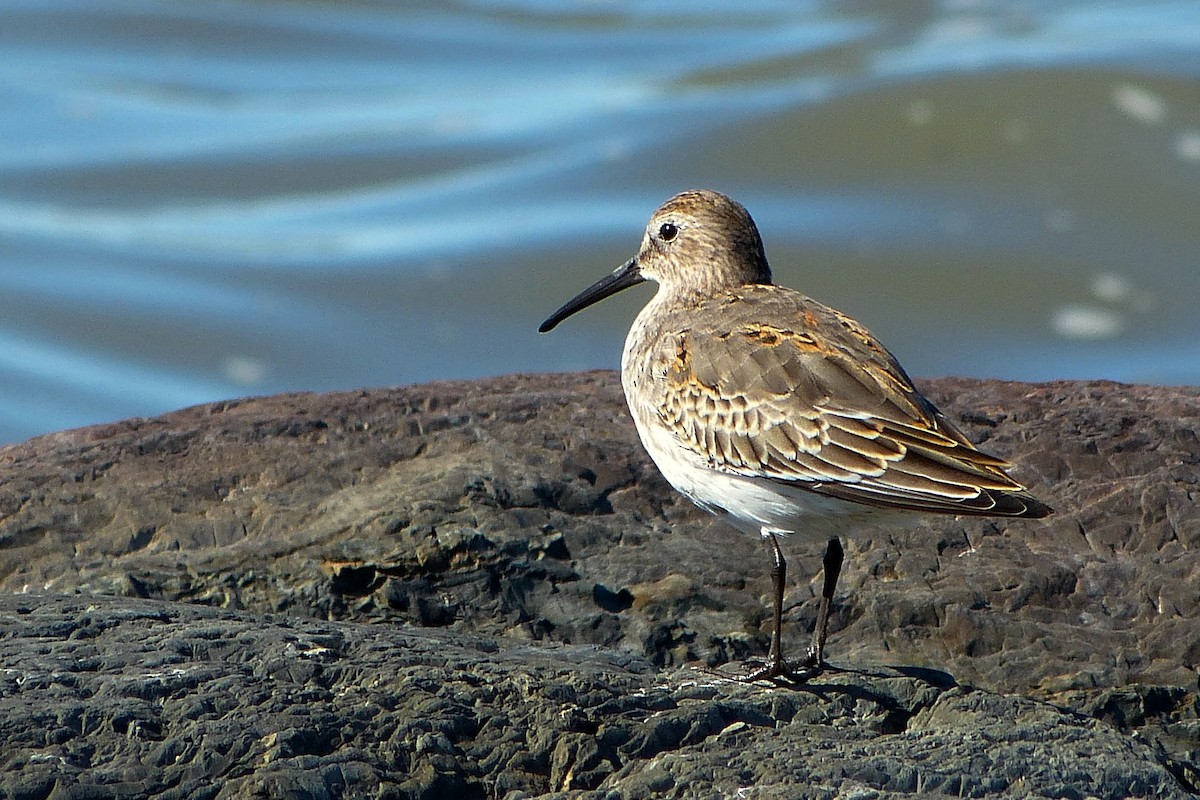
(484, 589)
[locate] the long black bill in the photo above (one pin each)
(622, 277)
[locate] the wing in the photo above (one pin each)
(792, 391)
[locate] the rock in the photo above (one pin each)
(128, 697)
(521, 511)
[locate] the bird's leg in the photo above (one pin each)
(815, 659)
(775, 666)
(775, 660)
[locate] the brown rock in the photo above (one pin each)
(523, 506)
(118, 697)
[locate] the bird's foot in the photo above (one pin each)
(778, 670)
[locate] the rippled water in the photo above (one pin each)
(201, 200)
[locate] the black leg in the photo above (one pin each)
(779, 576)
(813, 662)
(775, 666)
(833, 569)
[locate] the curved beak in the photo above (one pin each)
(624, 276)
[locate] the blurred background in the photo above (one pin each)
(203, 199)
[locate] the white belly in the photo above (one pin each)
(753, 505)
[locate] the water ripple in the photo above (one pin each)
(198, 200)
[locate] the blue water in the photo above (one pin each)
(208, 200)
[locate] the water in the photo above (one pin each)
(208, 200)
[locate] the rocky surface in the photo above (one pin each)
(389, 574)
(136, 697)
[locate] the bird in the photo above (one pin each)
(778, 413)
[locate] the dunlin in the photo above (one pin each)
(776, 412)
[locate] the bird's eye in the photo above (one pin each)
(668, 231)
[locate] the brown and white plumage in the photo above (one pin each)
(764, 405)
(763, 382)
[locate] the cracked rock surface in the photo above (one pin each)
(136, 697)
(485, 589)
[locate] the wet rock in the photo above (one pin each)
(119, 696)
(521, 511)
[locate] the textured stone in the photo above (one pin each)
(112, 697)
(521, 510)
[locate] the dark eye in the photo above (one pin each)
(668, 231)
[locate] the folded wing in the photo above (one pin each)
(821, 404)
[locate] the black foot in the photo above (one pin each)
(778, 670)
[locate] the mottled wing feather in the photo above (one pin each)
(792, 391)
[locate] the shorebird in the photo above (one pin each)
(776, 412)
